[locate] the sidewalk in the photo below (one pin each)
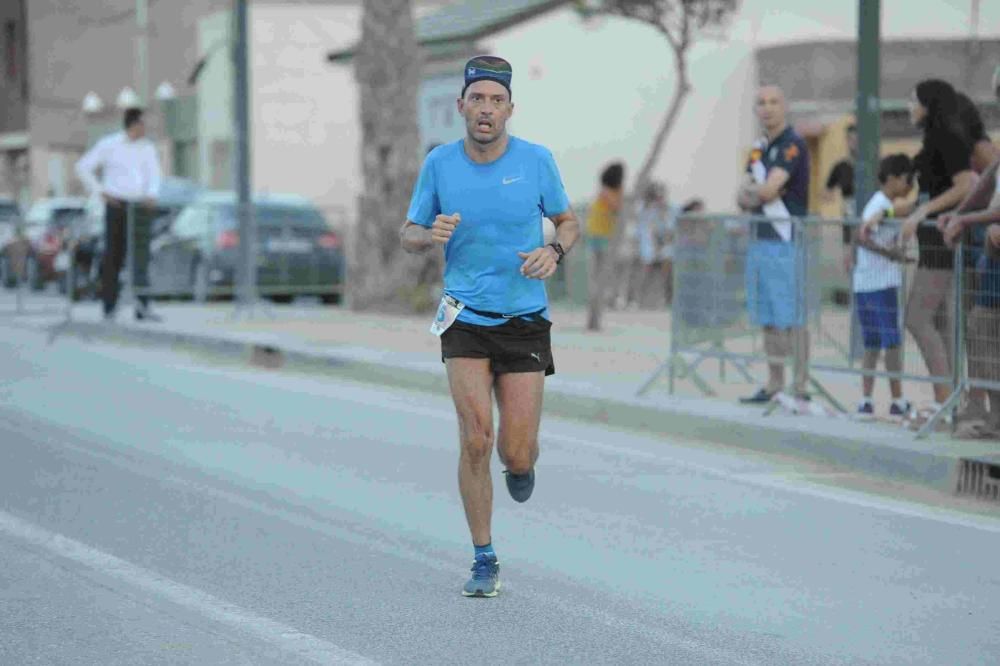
(597, 377)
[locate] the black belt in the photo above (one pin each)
(533, 316)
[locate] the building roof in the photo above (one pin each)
(467, 21)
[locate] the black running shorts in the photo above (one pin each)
(517, 345)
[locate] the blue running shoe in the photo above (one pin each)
(485, 581)
(520, 486)
(761, 397)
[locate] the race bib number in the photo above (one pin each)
(447, 312)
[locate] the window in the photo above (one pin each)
(10, 48)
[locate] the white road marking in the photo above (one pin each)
(281, 636)
(380, 543)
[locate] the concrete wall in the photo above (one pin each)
(76, 48)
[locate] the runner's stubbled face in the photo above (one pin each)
(486, 108)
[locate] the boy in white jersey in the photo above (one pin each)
(877, 279)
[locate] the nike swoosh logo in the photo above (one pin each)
(508, 181)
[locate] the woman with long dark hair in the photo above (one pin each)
(945, 177)
(984, 151)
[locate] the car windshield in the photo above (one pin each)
(63, 217)
(270, 215)
(8, 210)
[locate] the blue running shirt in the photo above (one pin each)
(501, 205)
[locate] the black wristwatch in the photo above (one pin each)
(560, 252)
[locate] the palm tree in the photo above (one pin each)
(380, 274)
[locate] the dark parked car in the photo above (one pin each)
(298, 254)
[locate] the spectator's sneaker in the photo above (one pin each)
(761, 397)
(144, 313)
(520, 486)
(485, 581)
(900, 408)
(866, 408)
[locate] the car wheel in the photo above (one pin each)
(281, 298)
(331, 299)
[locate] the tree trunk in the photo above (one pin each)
(380, 274)
(609, 279)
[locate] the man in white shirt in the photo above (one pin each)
(130, 179)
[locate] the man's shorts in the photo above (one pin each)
(517, 345)
(772, 285)
(878, 312)
(983, 334)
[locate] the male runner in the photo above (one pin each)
(483, 198)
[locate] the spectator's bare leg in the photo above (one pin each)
(870, 362)
(776, 346)
(595, 288)
(798, 338)
(994, 417)
(981, 346)
(975, 403)
(668, 281)
(928, 295)
(894, 363)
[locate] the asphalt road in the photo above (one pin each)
(159, 508)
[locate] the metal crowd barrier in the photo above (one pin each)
(935, 303)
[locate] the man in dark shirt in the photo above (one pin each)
(777, 186)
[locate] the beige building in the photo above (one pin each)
(58, 54)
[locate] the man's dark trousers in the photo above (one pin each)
(116, 218)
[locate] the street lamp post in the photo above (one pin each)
(868, 102)
(241, 124)
(142, 50)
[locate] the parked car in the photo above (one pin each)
(298, 253)
(46, 227)
(88, 253)
(10, 228)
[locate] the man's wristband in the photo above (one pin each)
(560, 252)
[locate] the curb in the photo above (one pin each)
(866, 448)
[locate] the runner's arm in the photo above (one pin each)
(567, 228)
(415, 238)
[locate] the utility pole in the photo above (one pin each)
(142, 51)
(868, 109)
(247, 287)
